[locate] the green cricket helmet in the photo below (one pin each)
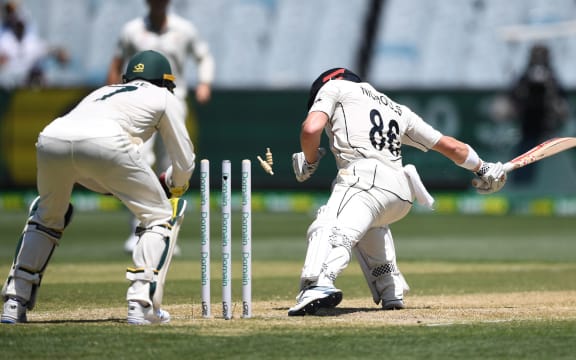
(151, 66)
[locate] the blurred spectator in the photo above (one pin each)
(9, 15)
(22, 52)
(539, 103)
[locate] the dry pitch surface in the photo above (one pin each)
(421, 310)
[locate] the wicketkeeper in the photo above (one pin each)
(372, 190)
(180, 41)
(97, 145)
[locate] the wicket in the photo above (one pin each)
(246, 218)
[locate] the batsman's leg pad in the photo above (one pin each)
(33, 253)
(377, 258)
(319, 247)
(362, 261)
(342, 242)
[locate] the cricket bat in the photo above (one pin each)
(541, 151)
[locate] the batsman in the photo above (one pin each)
(366, 131)
(97, 145)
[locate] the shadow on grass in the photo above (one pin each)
(80, 321)
(337, 311)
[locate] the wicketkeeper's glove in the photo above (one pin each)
(170, 190)
(162, 179)
(491, 178)
(302, 169)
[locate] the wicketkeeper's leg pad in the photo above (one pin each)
(152, 257)
(149, 256)
(33, 253)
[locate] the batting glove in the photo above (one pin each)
(491, 178)
(302, 168)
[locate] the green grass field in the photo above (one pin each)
(481, 288)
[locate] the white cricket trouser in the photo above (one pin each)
(108, 165)
(368, 195)
(365, 196)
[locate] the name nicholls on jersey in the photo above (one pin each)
(382, 100)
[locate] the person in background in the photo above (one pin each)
(366, 131)
(539, 103)
(9, 15)
(23, 53)
(178, 39)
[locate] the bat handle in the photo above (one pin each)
(509, 166)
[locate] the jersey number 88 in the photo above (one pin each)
(380, 140)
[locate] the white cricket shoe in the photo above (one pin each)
(139, 314)
(14, 312)
(313, 298)
(396, 304)
(131, 242)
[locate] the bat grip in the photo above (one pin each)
(509, 166)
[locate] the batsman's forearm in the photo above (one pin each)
(311, 134)
(310, 146)
(459, 152)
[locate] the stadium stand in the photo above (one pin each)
(285, 43)
(461, 44)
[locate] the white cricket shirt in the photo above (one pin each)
(178, 40)
(137, 109)
(366, 124)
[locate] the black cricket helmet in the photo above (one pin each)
(332, 74)
(151, 66)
